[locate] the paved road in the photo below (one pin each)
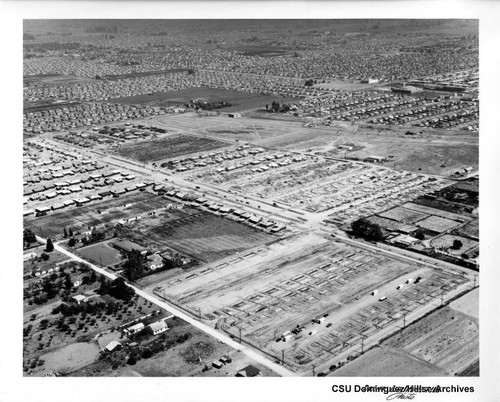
(278, 369)
(311, 222)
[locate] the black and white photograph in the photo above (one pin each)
(253, 197)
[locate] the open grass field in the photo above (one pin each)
(208, 237)
(468, 304)
(101, 254)
(388, 362)
(71, 357)
(168, 147)
(447, 338)
(471, 229)
(447, 240)
(437, 224)
(403, 215)
(239, 100)
(102, 212)
(434, 211)
(54, 79)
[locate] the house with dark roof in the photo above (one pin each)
(248, 371)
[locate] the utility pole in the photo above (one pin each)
(283, 357)
(199, 314)
(404, 320)
(442, 298)
(314, 370)
(362, 345)
(240, 334)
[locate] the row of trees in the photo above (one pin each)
(367, 230)
(276, 107)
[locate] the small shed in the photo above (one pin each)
(112, 346)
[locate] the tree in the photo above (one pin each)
(457, 244)
(366, 229)
(29, 236)
(134, 268)
(49, 246)
(65, 233)
(72, 242)
(67, 281)
(120, 290)
(45, 256)
(70, 232)
(420, 234)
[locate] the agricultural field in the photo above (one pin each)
(167, 147)
(446, 338)
(267, 294)
(207, 237)
(239, 101)
(388, 362)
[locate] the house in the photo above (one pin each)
(29, 256)
(248, 371)
(374, 159)
(127, 246)
(134, 329)
(404, 240)
(79, 298)
(112, 346)
(155, 261)
(157, 327)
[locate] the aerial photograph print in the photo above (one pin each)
(250, 198)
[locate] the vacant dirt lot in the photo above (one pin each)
(388, 362)
(168, 147)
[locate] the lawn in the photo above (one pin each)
(437, 224)
(403, 215)
(101, 254)
(446, 241)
